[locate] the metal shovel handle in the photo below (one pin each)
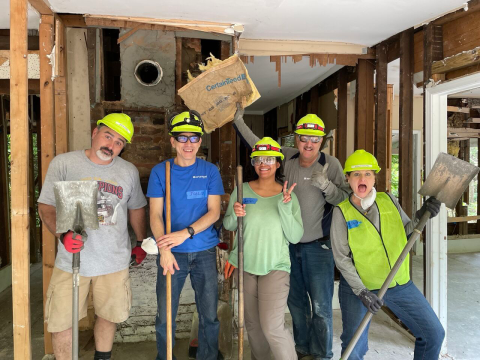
(368, 316)
(240, 264)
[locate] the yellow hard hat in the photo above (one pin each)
(310, 125)
(119, 122)
(187, 121)
(361, 160)
(267, 147)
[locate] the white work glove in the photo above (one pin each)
(149, 245)
(320, 178)
(239, 113)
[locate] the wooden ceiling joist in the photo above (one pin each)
(297, 47)
(461, 133)
(42, 6)
(163, 24)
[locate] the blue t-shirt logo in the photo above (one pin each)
(199, 194)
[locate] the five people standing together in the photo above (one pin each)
(303, 213)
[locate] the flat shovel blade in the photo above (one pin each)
(448, 179)
(72, 194)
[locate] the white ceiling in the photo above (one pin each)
(363, 22)
(296, 78)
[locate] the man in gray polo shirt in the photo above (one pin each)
(320, 186)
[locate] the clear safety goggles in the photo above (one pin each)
(267, 160)
(313, 139)
(184, 138)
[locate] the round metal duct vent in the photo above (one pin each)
(148, 72)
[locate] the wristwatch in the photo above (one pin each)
(190, 231)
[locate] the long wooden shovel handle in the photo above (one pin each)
(368, 316)
(240, 264)
(168, 230)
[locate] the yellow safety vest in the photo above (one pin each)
(374, 253)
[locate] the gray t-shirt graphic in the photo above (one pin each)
(107, 250)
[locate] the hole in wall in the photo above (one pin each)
(148, 73)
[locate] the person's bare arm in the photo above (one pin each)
(48, 215)
(167, 260)
(138, 222)
(176, 238)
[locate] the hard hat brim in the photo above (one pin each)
(267, 153)
(309, 132)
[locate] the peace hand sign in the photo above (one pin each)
(287, 194)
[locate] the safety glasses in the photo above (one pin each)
(306, 138)
(267, 160)
(184, 138)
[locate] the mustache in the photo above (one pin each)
(103, 148)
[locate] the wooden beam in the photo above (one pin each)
(177, 24)
(381, 120)
(42, 6)
(73, 20)
(458, 109)
(60, 43)
(314, 100)
(342, 124)
(47, 136)
(33, 86)
(457, 133)
(473, 6)
(92, 61)
(178, 70)
(22, 346)
(364, 106)
(459, 61)
(128, 34)
(406, 122)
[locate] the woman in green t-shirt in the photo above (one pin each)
(272, 220)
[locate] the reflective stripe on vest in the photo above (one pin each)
(374, 253)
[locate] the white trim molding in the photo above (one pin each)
(436, 142)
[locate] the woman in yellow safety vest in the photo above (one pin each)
(369, 231)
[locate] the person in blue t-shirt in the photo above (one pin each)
(196, 187)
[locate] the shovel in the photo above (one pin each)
(76, 207)
(447, 181)
(240, 264)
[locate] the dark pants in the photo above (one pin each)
(312, 276)
(408, 304)
(202, 268)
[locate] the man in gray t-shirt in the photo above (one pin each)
(105, 253)
(320, 186)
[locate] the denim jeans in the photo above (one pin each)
(408, 304)
(202, 268)
(312, 276)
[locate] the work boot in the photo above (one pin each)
(304, 356)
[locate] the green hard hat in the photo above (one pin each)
(361, 160)
(267, 147)
(119, 122)
(310, 125)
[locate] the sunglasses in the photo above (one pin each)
(313, 139)
(184, 138)
(267, 160)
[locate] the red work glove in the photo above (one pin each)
(72, 241)
(228, 270)
(138, 255)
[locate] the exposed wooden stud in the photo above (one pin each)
(381, 120)
(92, 61)
(389, 135)
(4, 193)
(47, 135)
(406, 122)
(314, 100)
(457, 133)
(178, 70)
(128, 34)
(60, 53)
(22, 346)
(342, 124)
(31, 188)
(60, 86)
(462, 218)
(364, 106)
(72, 20)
